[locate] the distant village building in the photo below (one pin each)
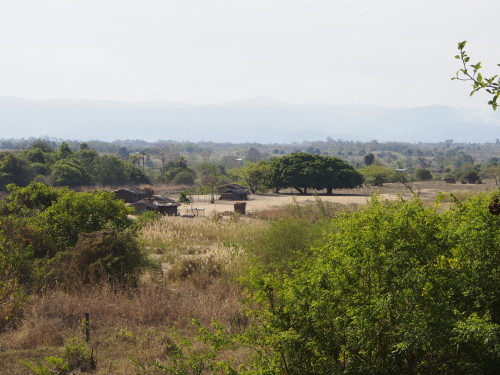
(450, 180)
(163, 206)
(130, 195)
(233, 192)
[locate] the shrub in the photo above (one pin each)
(146, 218)
(74, 213)
(183, 178)
(423, 174)
(76, 357)
(471, 177)
(397, 288)
(15, 268)
(100, 255)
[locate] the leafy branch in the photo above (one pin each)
(470, 72)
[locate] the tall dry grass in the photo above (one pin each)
(218, 240)
(154, 307)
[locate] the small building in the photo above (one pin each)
(450, 180)
(143, 206)
(130, 195)
(235, 195)
(225, 187)
(233, 192)
(163, 206)
(168, 209)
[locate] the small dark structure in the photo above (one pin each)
(235, 195)
(240, 207)
(143, 206)
(168, 209)
(450, 180)
(130, 195)
(233, 192)
(156, 205)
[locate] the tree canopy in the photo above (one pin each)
(302, 171)
(253, 175)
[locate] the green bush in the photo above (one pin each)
(285, 240)
(108, 255)
(15, 269)
(398, 288)
(423, 174)
(76, 358)
(146, 218)
(75, 213)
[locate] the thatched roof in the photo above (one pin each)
(133, 190)
(227, 187)
(236, 191)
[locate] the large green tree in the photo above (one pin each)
(302, 171)
(253, 175)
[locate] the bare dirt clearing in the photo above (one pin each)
(427, 190)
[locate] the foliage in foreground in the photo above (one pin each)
(76, 356)
(52, 236)
(470, 73)
(398, 288)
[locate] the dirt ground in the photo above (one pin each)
(257, 202)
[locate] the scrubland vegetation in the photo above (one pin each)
(406, 286)
(402, 286)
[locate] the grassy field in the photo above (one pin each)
(200, 261)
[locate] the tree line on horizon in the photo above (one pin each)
(78, 164)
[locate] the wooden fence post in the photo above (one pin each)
(87, 327)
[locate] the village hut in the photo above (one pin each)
(233, 192)
(450, 180)
(162, 205)
(163, 208)
(168, 209)
(130, 195)
(144, 205)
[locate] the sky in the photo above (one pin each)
(390, 53)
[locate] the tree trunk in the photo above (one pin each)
(299, 190)
(329, 190)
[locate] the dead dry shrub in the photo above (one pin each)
(148, 189)
(201, 272)
(97, 256)
(34, 334)
(56, 314)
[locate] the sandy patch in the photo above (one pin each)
(259, 202)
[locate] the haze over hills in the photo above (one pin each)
(259, 120)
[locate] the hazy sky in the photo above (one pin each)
(385, 52)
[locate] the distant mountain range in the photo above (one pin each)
(259, 120)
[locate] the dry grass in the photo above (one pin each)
(124, 323)
(202, 256)
(216, 240)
